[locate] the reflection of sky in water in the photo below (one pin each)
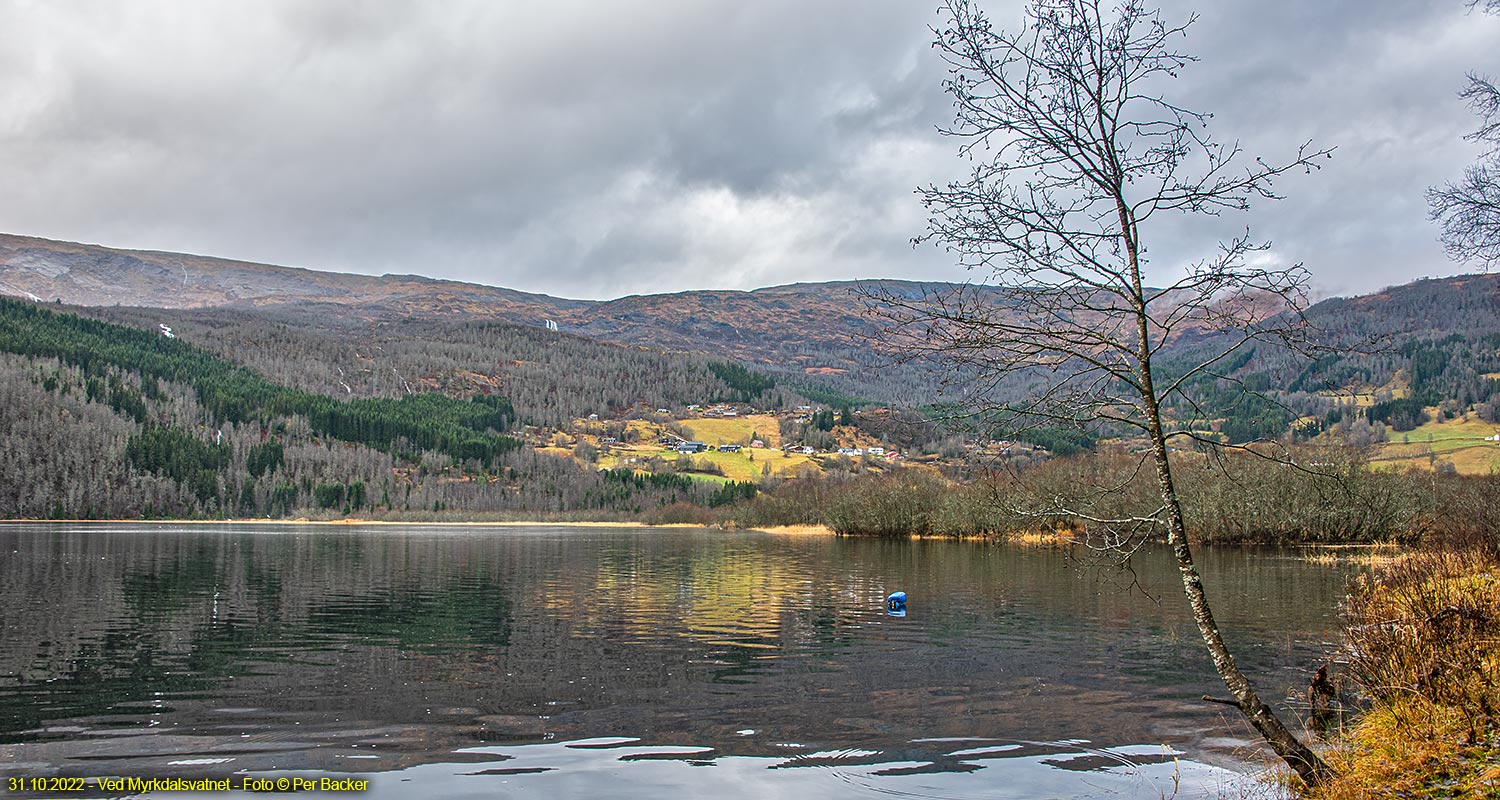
(947, 770)
(733, 664)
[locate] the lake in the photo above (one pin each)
(623, 662)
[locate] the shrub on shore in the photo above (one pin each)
(902, 503)
(1340, 499)
(1424, 639)
(1241, 499)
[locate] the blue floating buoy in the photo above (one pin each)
(895, 604)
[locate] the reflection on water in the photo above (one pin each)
(580, 661)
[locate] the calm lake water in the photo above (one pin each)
(600, 662)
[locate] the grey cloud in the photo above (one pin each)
(1375, 81)
(594, 149)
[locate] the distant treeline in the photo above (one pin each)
(1243, 499)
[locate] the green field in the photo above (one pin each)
(1458, 441)
(746, 465)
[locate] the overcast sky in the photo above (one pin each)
(596, 148)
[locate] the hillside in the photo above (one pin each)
(92, 275)
(759, 325)
(813, 331)
(284, 391)
(363, 335)
(550, 377)
(99, 419)
(102, 420)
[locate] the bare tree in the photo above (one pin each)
(1468, 212)
(1075, 155)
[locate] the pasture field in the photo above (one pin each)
(1473, 429)
(749, 464)
(746, 465)
(1458, 441)
(735, 430)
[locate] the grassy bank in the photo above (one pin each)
(1424, 639)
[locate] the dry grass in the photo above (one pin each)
(1475, 460)
(1398, 386)
(1481, 460)
(1472, 428)
(735, 430)
(1409, 749)
(645, 429)
(1376, 555)
(1044, 538)
(797, 530)
(1424, 639)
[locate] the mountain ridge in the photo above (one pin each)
(808, 328)
(24, 268)
(816, 331)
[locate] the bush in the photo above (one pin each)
(1328, 495)
(889, 505)
(1422, 640)
(1249, 499)
(585, 452)
(699, 465)
(680, 513)
(791, 502)
(1425, 630)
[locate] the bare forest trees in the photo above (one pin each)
(1468, 212)
(1076, 156)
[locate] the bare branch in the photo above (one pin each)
(1074, 150)
(1468, 211)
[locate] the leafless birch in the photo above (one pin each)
(1468, 211)
(1076, 155)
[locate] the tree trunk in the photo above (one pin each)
(1308, 766)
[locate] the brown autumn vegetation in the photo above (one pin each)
(1337, 498)
(1423, 639)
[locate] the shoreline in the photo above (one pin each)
(780, 530)
(1367, 553)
